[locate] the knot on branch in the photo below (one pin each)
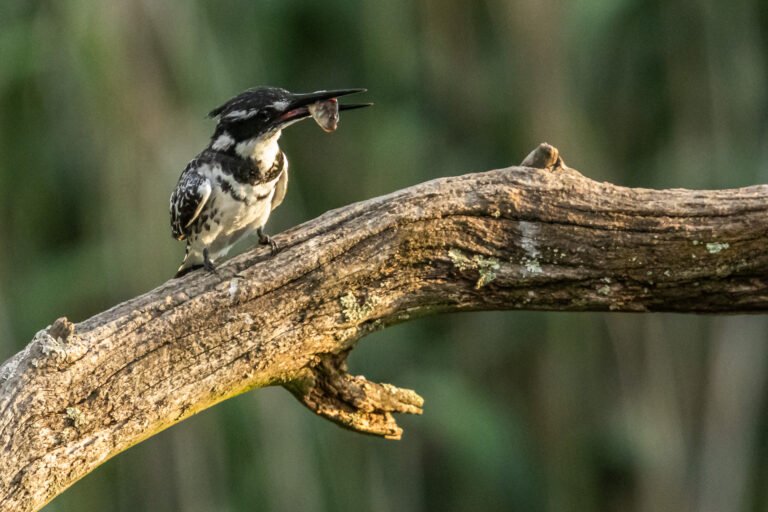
(352, 401)
(61, 329)
(545, 156)
(56, 346)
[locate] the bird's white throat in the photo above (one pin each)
(262, 150)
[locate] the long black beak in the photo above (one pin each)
(353, 106)
(297, 109)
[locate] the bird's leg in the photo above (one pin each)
(207, 263)
(265, 239)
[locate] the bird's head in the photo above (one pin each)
(256, 117)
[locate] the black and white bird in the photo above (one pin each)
(228, 191)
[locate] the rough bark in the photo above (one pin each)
(543, 238)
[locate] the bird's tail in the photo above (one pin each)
(192, 261)
(186, 270)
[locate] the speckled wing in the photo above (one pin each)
(187, 201)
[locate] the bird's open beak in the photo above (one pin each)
(299, 107)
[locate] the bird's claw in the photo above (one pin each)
(207, 263)
(268, 240)
(265, 239)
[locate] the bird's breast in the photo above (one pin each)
(235, 205)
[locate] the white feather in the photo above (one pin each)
(281, 105)
(223, 141)
(240, 114)
(262, 150)
(204, 191)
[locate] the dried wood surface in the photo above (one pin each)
(539, 236)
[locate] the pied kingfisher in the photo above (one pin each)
(228, 190)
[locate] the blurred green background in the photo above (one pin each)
(103, 103)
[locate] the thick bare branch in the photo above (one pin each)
(516, 238)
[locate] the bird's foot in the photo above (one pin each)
(265, 239)
(207, 263)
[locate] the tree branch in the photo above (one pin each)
(542, 238)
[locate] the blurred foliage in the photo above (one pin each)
(103, 103)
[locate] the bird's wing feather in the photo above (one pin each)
(280, 187)
(187, 201)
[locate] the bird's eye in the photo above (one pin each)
(262, 114)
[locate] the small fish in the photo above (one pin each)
(326, 114)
